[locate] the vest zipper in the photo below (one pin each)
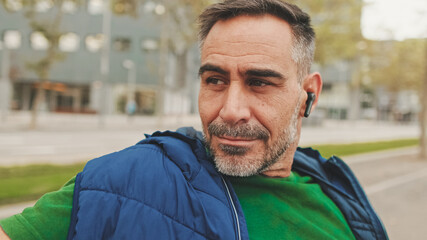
(234, 208)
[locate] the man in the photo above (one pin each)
(246, 178)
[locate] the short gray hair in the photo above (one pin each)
(303, 41)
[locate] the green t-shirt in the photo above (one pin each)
(289, 208)
(49, 218)
(274, 208)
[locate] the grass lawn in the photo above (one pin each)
(25, 183)
(340, 150)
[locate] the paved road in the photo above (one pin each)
(66, 138)
(397, 188)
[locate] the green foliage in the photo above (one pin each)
(44, 28)
(125, 7)
(181, 22)
(337, 26)
(50, 30)
(26, 183)
(340, 150)
(398, 65)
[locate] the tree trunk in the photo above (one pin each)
(423, 125)
(38, 99)
(423, 113)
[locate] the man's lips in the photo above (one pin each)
(235, 141)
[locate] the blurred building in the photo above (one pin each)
(77, 83)
(75, 80)
(345, 98)
(336, 98)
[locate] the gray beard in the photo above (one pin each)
(232, 160)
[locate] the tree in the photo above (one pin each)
(49, 28)
(423, 112)
(402, 65)
(397, 64)
(337, 26)
(178, 36)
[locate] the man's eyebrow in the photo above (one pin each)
(263, 73)
(212, 68)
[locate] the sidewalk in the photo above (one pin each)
(395, 182)
(70, 138)
(64, 122)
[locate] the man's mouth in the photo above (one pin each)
(239, 136)
(236, 141)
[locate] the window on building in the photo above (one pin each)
(13, 5)
(38, 41)
(160, 9)
(95, 7)
(12, 39)
(69, 6)
(149, 44)
(152, 7)
(94, 42)
(149, 6)
(121, 44)
(69, 42)
(43, 5)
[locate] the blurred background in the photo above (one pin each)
(82, 78)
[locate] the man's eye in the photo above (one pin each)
(258, 83)
(214, 81)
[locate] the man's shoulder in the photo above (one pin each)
(312, 157)
(309, 153)
(331, 171)
(309, 159)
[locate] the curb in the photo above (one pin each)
(380, 155)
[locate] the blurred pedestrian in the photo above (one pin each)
(131, 109)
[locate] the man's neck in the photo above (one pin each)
(283, 167)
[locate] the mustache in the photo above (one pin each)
(242, 131)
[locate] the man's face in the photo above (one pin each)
(250, 97)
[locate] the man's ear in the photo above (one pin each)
(312, 85)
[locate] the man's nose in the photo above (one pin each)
(235, 107)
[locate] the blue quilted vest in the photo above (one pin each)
(339, 184)
(165, 187)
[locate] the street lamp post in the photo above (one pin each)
(5, 88)
(104, 62)
(164, 36)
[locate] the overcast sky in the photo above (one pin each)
(394, 19)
